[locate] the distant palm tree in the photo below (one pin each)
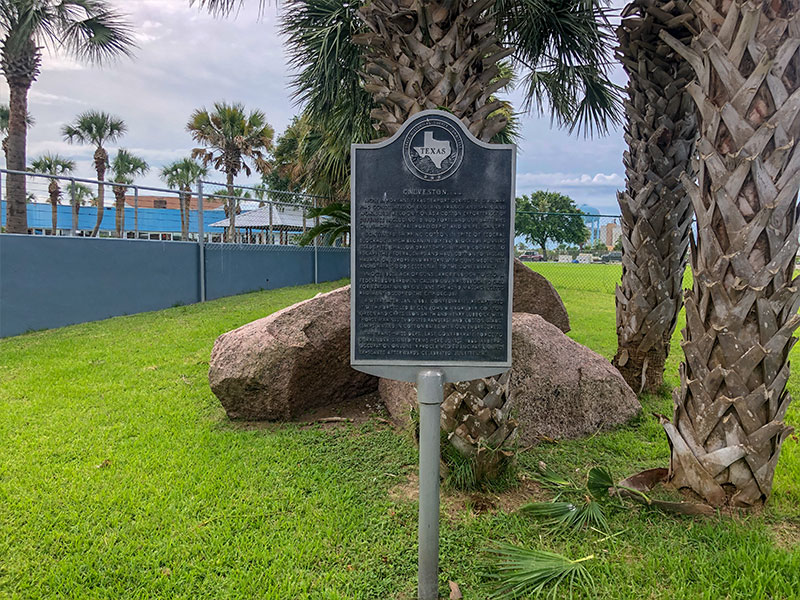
(79, 195)
(4, 117)
(53, 164)
(232, 138)
(184, 174)
(96, 128)
(125, 167)
(90, 30)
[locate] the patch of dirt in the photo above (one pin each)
(354, 410)
(458, 504)
(786, 535)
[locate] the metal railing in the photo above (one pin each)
(203, 215)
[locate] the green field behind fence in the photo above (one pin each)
(595, 277)
(121, 477)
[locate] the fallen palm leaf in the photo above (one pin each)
(523, 572)
(568, 516)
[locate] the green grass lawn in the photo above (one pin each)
(120, 477)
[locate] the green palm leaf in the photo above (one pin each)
(335, 223)
(522, 572)
(599, 482)
(568, 517)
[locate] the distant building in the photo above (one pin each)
(592, 222)
(613, 232)
(269, 225)
(171, 202)
(150, 224)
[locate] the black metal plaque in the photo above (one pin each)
(432, 213)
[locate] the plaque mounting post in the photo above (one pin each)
(430, 392)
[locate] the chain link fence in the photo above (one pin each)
(573, 251)
(72, 206)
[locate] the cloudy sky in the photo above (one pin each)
(188, 59)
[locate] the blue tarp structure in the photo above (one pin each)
(163, 220)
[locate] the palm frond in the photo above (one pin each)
(564, 50)
(546, 476)
(334, 226)
(524, 573)
(566, 516)
(598, 482)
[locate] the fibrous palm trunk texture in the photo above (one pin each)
(477, 419)
(100, 164)
(119, 200)
(421, 54)
(741, 313)
(656, 210)
(55, 193)
(20, 65)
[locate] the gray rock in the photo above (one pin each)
(563, 390)
(294, 360)
(535, 295)
(560, 389)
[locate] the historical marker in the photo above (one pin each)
(431, 266)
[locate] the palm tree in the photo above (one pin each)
(383, 61)
(5, 114)
(183, 174)
(90, 30)
(125, 167)
(335, 224)
(96, 128)
(656, 210)
(53, 164)
(741, 313)
(79, 194)
(231, 139)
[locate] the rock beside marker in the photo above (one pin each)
(560, 389)
(294, 360)
(535, 295)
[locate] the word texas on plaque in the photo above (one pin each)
(433, 228)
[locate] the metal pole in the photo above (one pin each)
(73, 202)
(316, 257)
(136, 213)
(430, 392)
(271, 238)
(201, 241)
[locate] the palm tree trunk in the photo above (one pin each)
(425, 56)
(75, 208)
(55, 192)
(231, 208)
(656, 210)
(119, 196)
(186, 209)
(16, 160)
(741, 313)
(100, 162)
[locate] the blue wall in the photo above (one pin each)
(51, 281)
(150, 219)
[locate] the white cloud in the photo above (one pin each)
(613, 180)
(38, 97)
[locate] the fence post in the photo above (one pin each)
(316, 257)
(201, 241)
(271, 238)
(74, 229)
(136, 213)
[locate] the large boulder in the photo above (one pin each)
(535, 295)
(294, 360)
(560, 389)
